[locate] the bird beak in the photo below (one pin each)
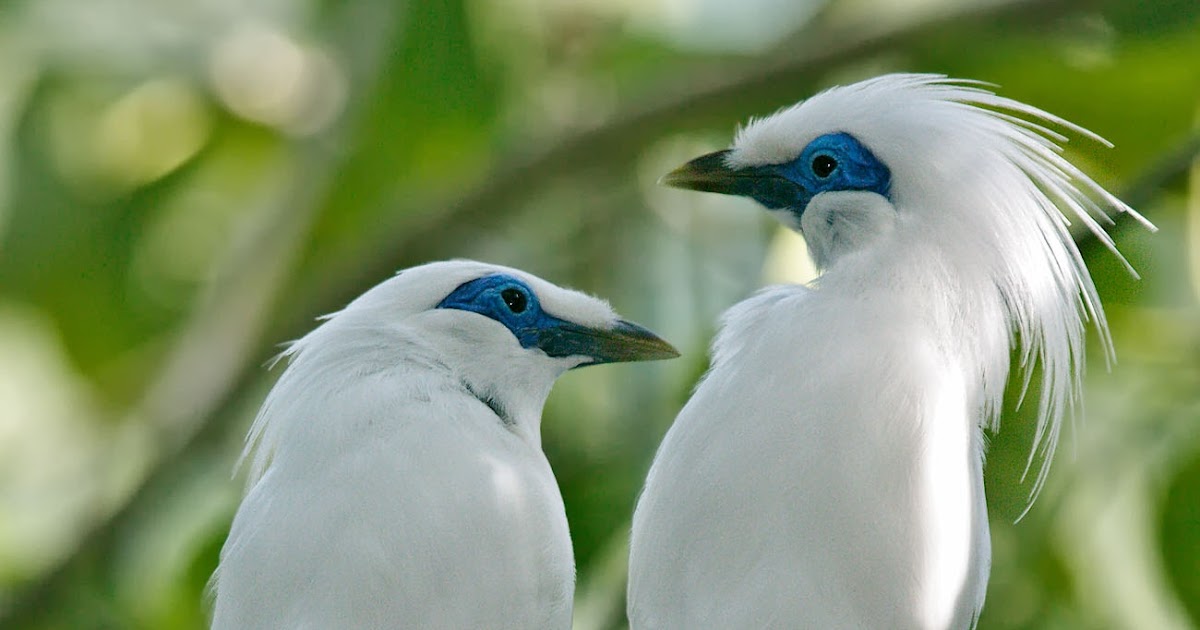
(623, 341)
(712, 173)
(707, 173)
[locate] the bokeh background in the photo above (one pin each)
(186, 184)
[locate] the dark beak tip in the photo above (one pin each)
(646, 345)
(681, 177)
(619, 342)
(707, 173)
(660, 353)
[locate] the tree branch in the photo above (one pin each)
(1171, 166)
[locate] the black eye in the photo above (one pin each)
(823, 165)
(515, 300)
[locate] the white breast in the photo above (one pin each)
(795, 491)
(422, 511)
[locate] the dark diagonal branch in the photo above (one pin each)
(1171, 166)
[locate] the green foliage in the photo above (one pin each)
(174, 207)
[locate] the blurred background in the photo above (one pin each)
(186, 184)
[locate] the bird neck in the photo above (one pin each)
(517, 400)
(939, 332)
(837, 225)
(951, 308)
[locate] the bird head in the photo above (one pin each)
(500, 333)
(807, 186)
(486, 310)
(947, 162)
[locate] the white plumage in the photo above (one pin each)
(398, 480)
(828, 471)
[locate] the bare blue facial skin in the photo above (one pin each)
(513, 303)
(832, 162)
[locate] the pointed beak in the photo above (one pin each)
(712, 173)
(708, 173)
(623, 341)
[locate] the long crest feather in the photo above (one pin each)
(1058, 191)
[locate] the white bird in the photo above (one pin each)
(398, 479)
(828, 471)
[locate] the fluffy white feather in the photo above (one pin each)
(827, 473)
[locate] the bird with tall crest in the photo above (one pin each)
(828, 470)
(399, 480)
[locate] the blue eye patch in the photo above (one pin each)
(838, 161)
(507, 300)
(832, 162)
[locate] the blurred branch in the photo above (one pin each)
(1173, 165)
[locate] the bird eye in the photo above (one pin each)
(515, 300)
(823, 165)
